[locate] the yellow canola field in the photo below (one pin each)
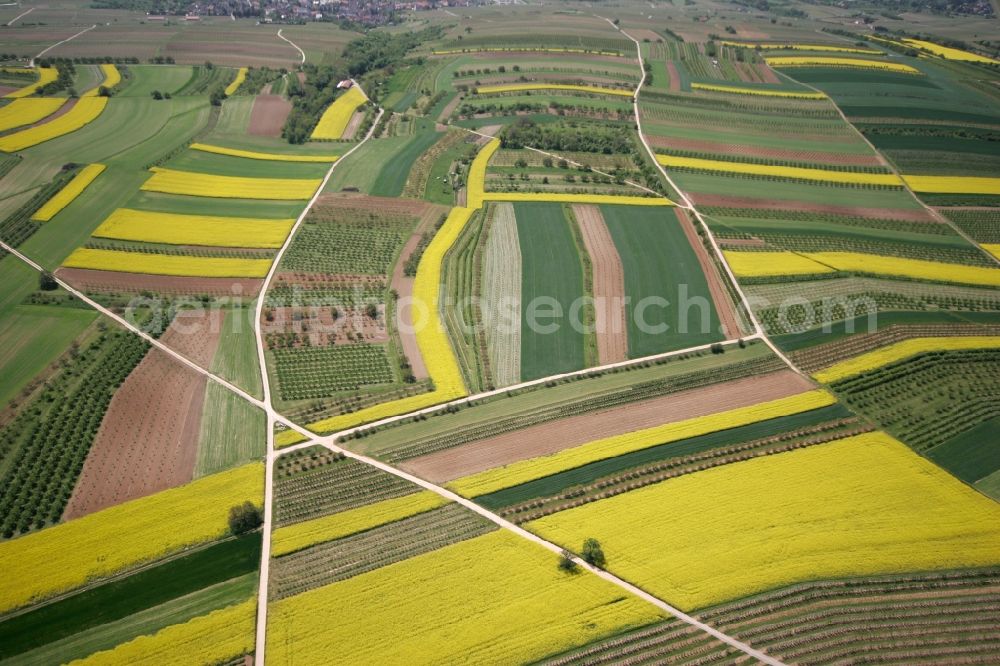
(46, 75)
(335, 119)
(517, 87)
(241, 75)
(435, 346)
(766, 264)
(111, 79)
(477, 174)
(496, 599)
(66, 556)
(902, 350)
(763, 264)
(800, 173)
(67, 194)
(28, 111)
(216, 638)
(596, 199)
(611, 447)
(171, 181)
(254, 155)
(949, 53)
(175, 229)
(859, 506)
(820, 61)
(803, 47)
(86, 110)
(954, 184)
(791, 94)
(122, 261)
(295, 537)
(992, 248)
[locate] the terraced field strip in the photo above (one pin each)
(502, 297)
(161, 264)
(28, 111)
(558, 435)
(763, 92)
(67, 194)
(902, 350)
(170, 228)
(954, 184)
(594, 450)
(609, 285)
(724, 307)
(874, 507)
(820, 61)
(794, 173)
(84, 111)
(255, 155)
(521, 87)
(791, 46)
(170, 181)
(742, 150)
(943, 616)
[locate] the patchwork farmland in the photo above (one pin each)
(500, 333)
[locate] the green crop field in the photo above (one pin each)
(661, 274)
(550, 272)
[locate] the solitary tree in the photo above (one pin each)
(566, 562)
(244, 518)
(46, 282)
(592, 553)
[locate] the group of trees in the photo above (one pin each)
(592, 554)
(568, 136)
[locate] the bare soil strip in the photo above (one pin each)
(725, 201)
(723, 148)
(86, 279)
(148, 440)
(387, 205)
(643, 33)
(353, 125)
(548, 438)
(450, 108)
(768, 74)
(502, 297)
(675, 77)
(609, 285)
(720, 297)
(268, 115)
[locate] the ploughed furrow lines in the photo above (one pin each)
(609, 284)
(338, 560)
(502, 297)
(315, 481)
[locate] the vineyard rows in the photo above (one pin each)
(306, 373)
(331, 244)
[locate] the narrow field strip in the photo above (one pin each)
(873, 507)
(67, 194)
(900, 351)
(219, 637)
(734, 90)
(609, 285)
(28, 111)
(46, 75)
(779, 46)
(535, 468)
(519, 87)
(176, 229)
(511, 618)
(502, 293)
(596, 199)
(295, 537)
(954, 184)
(334, 121)
(171, 181)
(254, 155)
(121, 261)
(85, 110)
(524, 49)
(797, 173)
(820, 61)
(949, 53)
(112, 77)
(774, 264)
(241, 75)
(68, 555)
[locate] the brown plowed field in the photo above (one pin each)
(722, 148)
(195, 334)
(742, 242)
(318, 324)
(675, 77)
(547, 438)
(359, 201)
(642, 33)
(725, 201)
(450, 107)
(62, 110)
(721, 300)
(609, 285)
(268, 115)
(148, 440)
(353, 125)
(86, 279)
(768, 74)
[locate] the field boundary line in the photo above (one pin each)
(294, 45)
(22, 14)
(44, 51)
(906, 186)
(688, 205)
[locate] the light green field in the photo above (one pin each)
(234, 118)
(236, 357)
(362, 168)
(176, 203)
(232, 431)
(147, 78)
(776, 140)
